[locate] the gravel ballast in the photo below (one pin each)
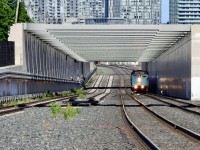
(95, 128)
(163, 136)
(180, 117)
(99, 127)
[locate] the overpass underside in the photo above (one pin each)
(170, 53)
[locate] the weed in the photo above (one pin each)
(55, 109)
(99, 71)
(90, 82)
(49, 94)
(66, 93)
(70, 112)
(73, 90)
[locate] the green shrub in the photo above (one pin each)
(70, 112)
(81, 95)
(66, 93)
(73, 90)
(55, 109)
(49, 94)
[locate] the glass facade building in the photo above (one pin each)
(91, 8)
(51, 11)
(141, 11)
(184, 12)
(59, 11)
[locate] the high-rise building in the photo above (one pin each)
(51, 11)
(91, 8)
(113, 8)
(184, 12)
(60, 11)
(141, 11)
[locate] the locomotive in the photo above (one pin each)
(139, 81)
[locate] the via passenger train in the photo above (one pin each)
(139, 81)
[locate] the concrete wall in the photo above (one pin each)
(17, 35)
(171, 71)
(40, 67)
(12, 86)
(195, 63)
(42, 59)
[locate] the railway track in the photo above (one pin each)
(184, 135)
(182, 105)
(21, 107)
(92, 99)
(144, 142)
(184, 118)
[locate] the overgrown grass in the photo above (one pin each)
(90, 82)
(15, 103)
(79, 92)
(99, 71)
(69, 112)
(48, 95)
(55, 109)
(66, 93)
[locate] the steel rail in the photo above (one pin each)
(93, 97)
(21, 107)
(180, 107)
(145, 141)
(93, 84)
(186, 131)
(170, 98)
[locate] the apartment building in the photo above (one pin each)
(184, 12)
(141, 11)
(91, 8)
(114, 8)
(51, 11)
(61, 11)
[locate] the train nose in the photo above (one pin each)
(139, 79)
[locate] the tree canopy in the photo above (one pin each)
(7, 17)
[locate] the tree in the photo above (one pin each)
(23, 17)
(7, 17)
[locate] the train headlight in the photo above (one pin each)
(135, 86)
(139, 79)
(142, 86)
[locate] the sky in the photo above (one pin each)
(165, 11)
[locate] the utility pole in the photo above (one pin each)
(17, 11)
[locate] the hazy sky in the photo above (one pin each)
(165, 11)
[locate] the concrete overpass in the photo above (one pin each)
(170, 53)
(141, 43)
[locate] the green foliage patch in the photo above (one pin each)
(55, 109)
(79, 92)
(7, 17)
(48, 95)
(69, 112)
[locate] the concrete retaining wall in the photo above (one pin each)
(171, 71)
(40, 67)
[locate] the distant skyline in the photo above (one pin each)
(165, 11)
